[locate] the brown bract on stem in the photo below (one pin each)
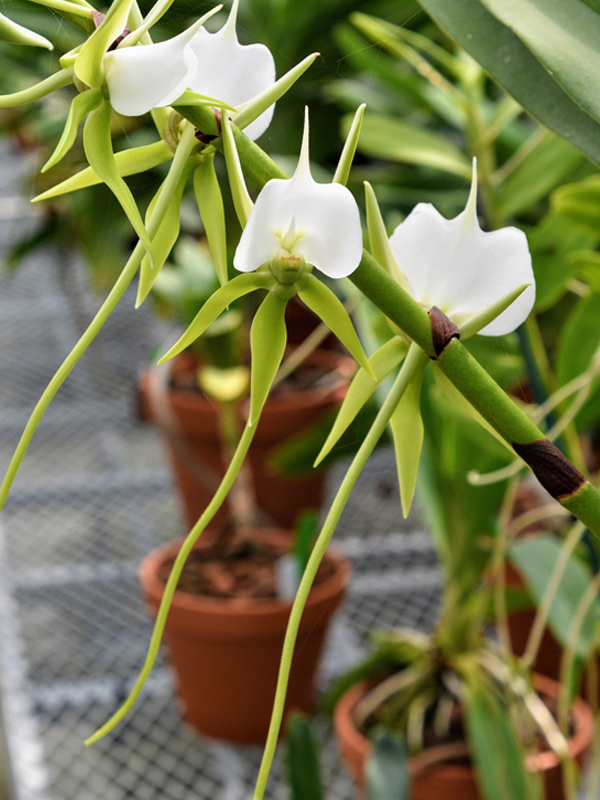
(553, 470)
(442, 330)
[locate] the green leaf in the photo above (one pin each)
(585, 265)
(549, 163)
(407, 429)
(326, 305)
(97, 144)
(387, 772)
(129, 162)
(268, 337)
(88, 66)
(383, 362)
(535, 557)
(302, 759)
(393, 140)
(210, 205)
(579, 203)
(342, 172)
(80, 108)
(12, 32)
(216, 304)
(511, 64)
(63, 77)
(565, 37)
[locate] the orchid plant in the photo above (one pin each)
(437, 281)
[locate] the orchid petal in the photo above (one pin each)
(459, 268)
(13, 32)
(378, 239)
(81, 106)
(239, 191)
(152, 75)
(231, 71)
(342, 172)
(210, 205)
(89, 65)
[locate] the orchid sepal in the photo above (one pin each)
(189, 98)
(81, 106)
(210, 205)
(383, 362)
(59, 80)
(216, 304)
(88, 66)
(342, 172)
(239, 192)
(379, 241)
(17, 34)
(481, 319)
(158, 10)
(268, 338)
(320, 299)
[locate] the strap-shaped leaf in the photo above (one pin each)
(80, 108)
(129, 162)
(248, 112)
(61, 78)
(268, 337)
(210, 205)
(88, 66)
(164, 239)
(17, 34)
(407, 430)
(388, 777)
(216, 304)
(97, 144)
(302, 757)
(344, 166)
(383, 362)
(331, 310)
(239, 191)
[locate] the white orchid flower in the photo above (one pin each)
(233, 72)
(454, 265)
(300, 221)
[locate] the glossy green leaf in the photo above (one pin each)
(579, 203)
(97, 144)
(535, 558)
(407, 429)
(63, 77)
(12, 32)
(383, 362)
(268, 337)
(215, 305)
(237, 182)
(394, 140)
(128, 162)
(564, 37)
(210, 205)
(302, 760)
(164, 239)
(387, 772)
(585, 265)
(330, 309)
(80, 107)
(510, 62)
(88, 66)
(342, 172)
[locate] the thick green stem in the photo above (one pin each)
(414, 358)
(106, 309)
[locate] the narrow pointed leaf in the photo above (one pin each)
(383, 362)
(251, 110)
(344, 166)
(326, 305)
(216, 304)
(97, 144)
(189, 98)
(88, 66)
(12, 32)
(268, 337)
(210, 205)
(129, 162)
(239, 192)
(62, 78)
(407, 429)
(302, 757)
(388, 777)
(164, 240)
(80, 108)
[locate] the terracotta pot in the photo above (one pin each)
(190, 424)
(458, 781)
(226, 652)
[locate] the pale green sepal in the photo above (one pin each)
(216, 304)
(189, 98)
(477, 321)
(164, 239)
(129, 162)
(450, 390)
(342, 172)
(331, 310)
(407, 430)
(57, 81)
(212, 212)
(97, 144)
(65, 7)
(88, 66)
(68, 59)
(383, 362)
(268, 337)
(16, 34)
(248, 112)
(379, 241)
(239, 192)
(80, 108)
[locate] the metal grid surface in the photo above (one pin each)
(93, 496)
